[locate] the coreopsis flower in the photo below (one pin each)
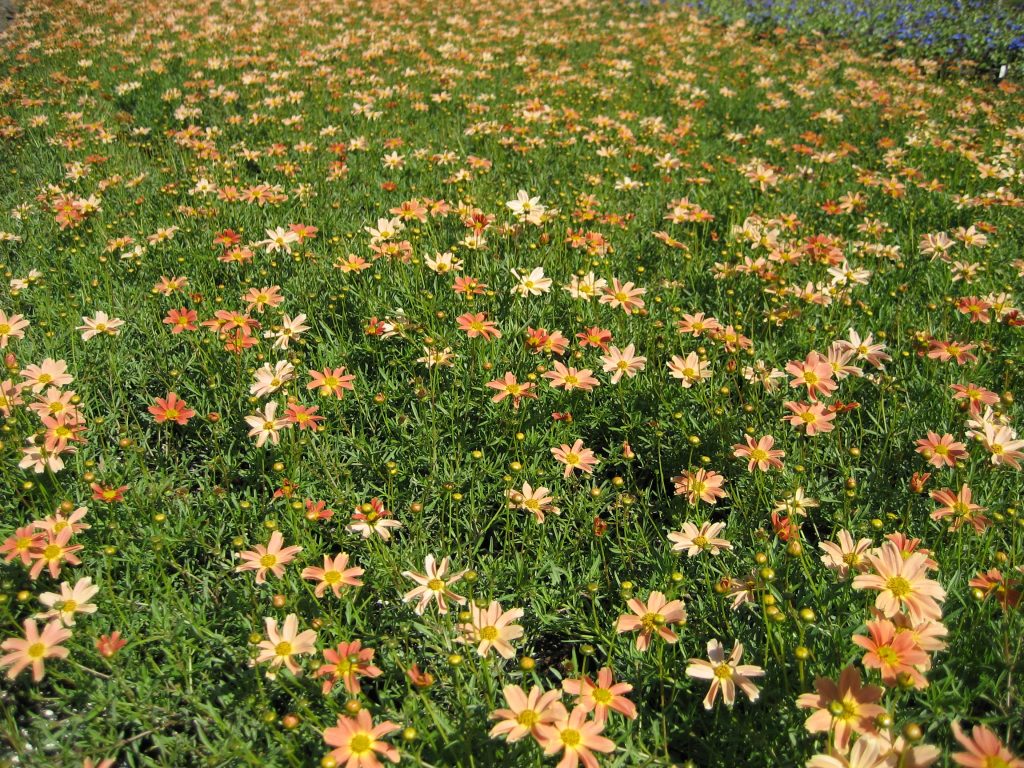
(1003, 446)
(272, 557)
(725, 674)
(813, 418)
(960, 507)
(331, 381)
(432, 585)
(569, 378)
(624, 362)
(22, 544)
(902, 583)
(815, 373)
(266, 426)
(842, 708)
(10, 397)
(759, 454)
(53, 551)
(284, 643)
(866, 753)
(601, 696)
(34, 649)
(357, 741)
(992, 582)
(576, 737)
(347, 664)
(983, 749)
(291, 329)
(623, 296)
(653, 618)
(941, 451)
(477, 324)
(846, 555)
(11, 327)
(371, 518)
(70, 600)
(492, 627)
(796, 503)
(279, 239)
(259, 299)
(109, 645)
(694, 540)
(866, 349)
(533, 284)
(976, 396)
(700, 485)
(102, 324)
(108, 494)
(437, 357)
(894, 654)
(575, 457)
(418, 677)
(535, 500)
(510, 387)
(691, 370)
(268, 379)
(303, 417)
(335, 575)
(52, 373)
(596, 336)
(958, 351)
(585, 288)
(525, 712)
(171, 408)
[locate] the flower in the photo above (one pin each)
(526, 712)
(815, 373)
(894, 654)
(622, 362)
(371, 517)
(510, 387)
(601, 696)
(623, 295)
(69, 601)
(902, 583)
(960, 508)
(492, 627)
(477, 324)
(171, 408)
(813, 418)
(694, 540)
(578, 738)
(109, 645)
(569, 378)
(653, 618)
(265, 425)
(331, 381)
(845, 556)
(576, 457)
(347, 663)
(844, 708)
(334, 575)
(865, 754)
(53, 551)
(272, 557)
(101, 324)
(34, 649)
(433, 586)
(690, 371)
(984, 749)
(760, 454)
(703, 485)
(357, 741)
(941, 451)
(725, 674)
(535, 500)
(284, 643)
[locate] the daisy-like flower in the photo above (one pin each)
(759, 454)
(576, 457)
(894, 654)
(623, 295)
(815, 373)
(283, 644)
(843, 708)
(371, 517)
(941, 451)
(273, 558)
(652, 618)
(902, 583)
(533, 284)
(702, 485)
(960, 507)
(291, 329)
(525, 712)
(171, 408)
(983, 749)
(269, 379)
(725, 674)
(53, 552)
(510, 387)
(357, 741)
(624, 362)
(433, 585)
(477, 324)
(866, 753)
(52, 373)
(334, 575)
(1003, 446)
(813, 418)
(101, 325)
(347, 664)
(492, 627)
(694, 540)
(535, 500)
(70, 600)
(34, 649)
(976, 396)
(691, 370)
(266, 426)
(22, 544)
(577, 736)
(846, 555)
(11, 327)
(601, 696)
(331, 381)
(569, 378)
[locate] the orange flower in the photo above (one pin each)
(526, 712)
(357, 741)
(601, 696)
(653, 618)
(334, 575)
(272, 557)
(171, 408)
(902, 583)
(984, 750)
(845, 708)
(577, 737)
(34, 649)
(347, 663)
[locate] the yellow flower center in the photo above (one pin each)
(268, 561)
(723, 671)
(171, 414)
(489, 633)
(602, 696)
(887, 655)
(52, 552)
(361, 744)
(283, 648)
(36, 651)
(899, 587)
(435, 585)
(571, 738)
(527, 718)
(700, 541)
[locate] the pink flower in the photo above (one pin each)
(653, 618)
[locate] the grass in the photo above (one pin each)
(142, 144)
